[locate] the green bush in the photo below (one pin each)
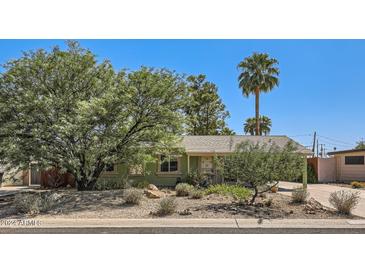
(299, 195)
(141, 185)
(311, 175)
(344, 201)
(132, 196)
(167, 206)
(236, 191)
(104, 184)
(183, 189)
(358, 184)
(194, 178)
(197, 194)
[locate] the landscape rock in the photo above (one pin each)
(313, 206)
(185, 212)
(154, 194)
(152, 187)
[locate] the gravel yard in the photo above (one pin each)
(110, 204)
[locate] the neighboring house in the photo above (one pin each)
(198, 156)
(348, 165)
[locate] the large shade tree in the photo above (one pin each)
(360, 145)
(65, 110)
(259, 73)
(249, 126)
(204, 111)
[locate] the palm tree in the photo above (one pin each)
(259, 73)
(265, 125)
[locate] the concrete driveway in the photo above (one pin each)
(9, 190)
(321, 193)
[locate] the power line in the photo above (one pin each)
(334, 140)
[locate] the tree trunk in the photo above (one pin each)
(257, 110)
(256, 192)
(87, 183)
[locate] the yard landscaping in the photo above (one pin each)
(215, 202)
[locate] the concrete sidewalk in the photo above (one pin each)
(167, 225)
(322, 192)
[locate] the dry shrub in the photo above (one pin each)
(358, 184)
(183, 189)
(167, 206)
(132, 196)
(35, 202)
(299, 195)
(197, 194)
(344, 201)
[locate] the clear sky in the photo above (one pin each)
(322, 82)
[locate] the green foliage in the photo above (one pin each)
(358, 184)
(105, 184)
(205, 113)
(299, 195)
(360, 145)
(194, 178)
(66, 110)
(265, 125)
(344, 201)
(183, 189)
(262, 166)
(141, 185)
(236, 191)
(196, 193)
(259, 73)
(132, 196)
(311, 175)
(167, 206)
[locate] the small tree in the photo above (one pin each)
(262, 166)
(66, 110)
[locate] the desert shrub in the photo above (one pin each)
(167, 206)
(110, 185)
(268, 202)
(299, 195)
(344, 200)
(358, 184)
(262, 166)
(183, 189)
(197, 194)
(35, 202)
(141, 185)
(194, 178)
(236, 191)
(132, 196)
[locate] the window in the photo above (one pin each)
(109, 167)
(168, 163)
(354, 160)
(135, 170)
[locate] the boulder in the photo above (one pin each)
(313, 206)
(154, 194)
(152, 187)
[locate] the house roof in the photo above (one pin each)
(227, 144)
(346, 151)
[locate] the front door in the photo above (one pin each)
(206, 165)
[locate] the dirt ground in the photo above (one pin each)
(110, 204)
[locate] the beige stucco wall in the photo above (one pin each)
(326, 169)
(349, 172)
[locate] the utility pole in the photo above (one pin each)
(317, 148)
(314, 143)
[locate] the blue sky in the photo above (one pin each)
(322, 82)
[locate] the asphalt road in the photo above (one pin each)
(179, 230)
